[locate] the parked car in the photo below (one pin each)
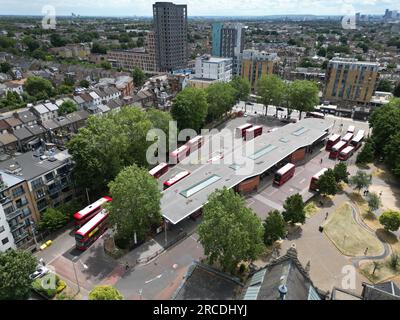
(40, 272)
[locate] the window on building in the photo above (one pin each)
(2, 229)
(4, 241)
(18, 191)
(37, 183)
(49, 176)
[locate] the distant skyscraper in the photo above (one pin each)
(228, 41)
(170, 26)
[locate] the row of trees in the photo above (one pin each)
(193, 107)
(301, 95)
(385, 137)
(109, 143)
(243, 233)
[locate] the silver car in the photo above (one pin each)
(40, 272)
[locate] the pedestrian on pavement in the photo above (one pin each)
(322, 160)
(366, 251)
(326, 216)
(127, 266)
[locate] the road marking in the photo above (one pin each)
(158, 277)
(302, 180)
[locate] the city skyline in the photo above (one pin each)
(130, 8)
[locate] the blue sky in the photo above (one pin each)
(200, 7)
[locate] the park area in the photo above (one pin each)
(348, 236)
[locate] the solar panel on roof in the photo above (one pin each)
(252, 293)
(258, 277)
(285, 140)
(200, 186)
(262, 152)
(299, 131)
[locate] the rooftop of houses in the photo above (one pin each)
(26, 116)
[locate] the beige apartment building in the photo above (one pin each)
(349, 81)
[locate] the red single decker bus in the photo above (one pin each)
(346, 153)
(87, 213)
(91, 231)
(175, 179)
(253, 132)
(333, 139)
(179, 154)
(314, 179)
(356, 142)
(284, 174)
(158, 171)
(347, 137)
(241, 130)
(195, 143)
(337, 148)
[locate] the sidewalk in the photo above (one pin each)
(161, 242)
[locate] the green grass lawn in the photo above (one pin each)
(348, 236)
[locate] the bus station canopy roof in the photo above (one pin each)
(191, 193)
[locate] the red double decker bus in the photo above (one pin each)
(314, 179)
(195, 143)
(346, 153)
(241, 130)
(179, 154)
(159, 170)
(175, 179)
(347, 137)
(337, 148)
(253, 132)
(333, 139)
(356, 142)
(87, 213)
(91, 231)
(284, 174)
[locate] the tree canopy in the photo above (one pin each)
(390, 220)
(374, 201)
(271, 90)
(190, 108)
(360, 180)
(39, 88)
(294, 209)
(138, 77)
(136, 203)
(366, 155)
(105, 293)
(230, 232)
(303, 95)
(109, 143)
(327, 184)
(220, 98)
(274, 227)
(242, 87)
(67, 107)
(53, 219)
(340, 172)
(15, 268)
